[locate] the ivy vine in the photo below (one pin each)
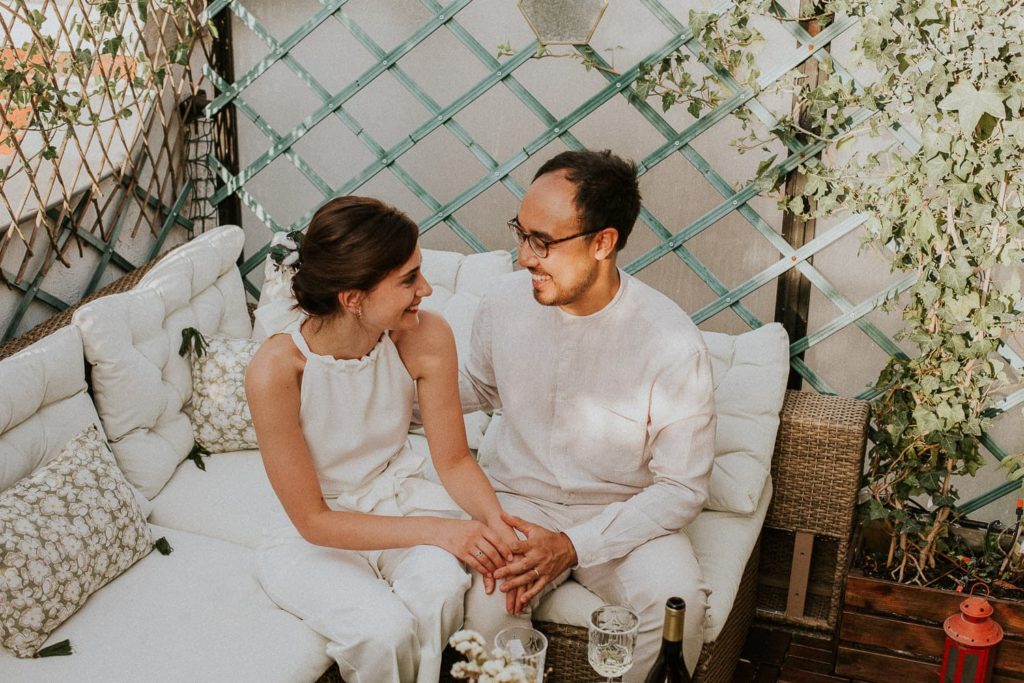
(950, 211)
(50, 91)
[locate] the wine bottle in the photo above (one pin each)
(669, 666)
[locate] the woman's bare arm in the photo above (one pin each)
(273, 391)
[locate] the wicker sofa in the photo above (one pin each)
(198, 614)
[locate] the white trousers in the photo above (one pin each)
(387, 614)
(643, 580)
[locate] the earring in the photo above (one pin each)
(359, 313)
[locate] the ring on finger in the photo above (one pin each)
(478, 553)
(536, 573)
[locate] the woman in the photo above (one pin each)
(331, 400)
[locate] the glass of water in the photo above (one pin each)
(612, 637)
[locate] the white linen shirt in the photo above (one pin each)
(612, 411)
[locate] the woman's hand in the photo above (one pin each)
(476, 544)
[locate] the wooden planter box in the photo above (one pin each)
(893, 632)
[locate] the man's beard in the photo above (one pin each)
(572, 295)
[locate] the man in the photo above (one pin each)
(605, 447)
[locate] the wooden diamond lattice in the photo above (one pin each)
(563, 22)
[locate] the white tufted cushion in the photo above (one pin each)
(140, 383)
(43, 404)
(458, 282)
(750, 372)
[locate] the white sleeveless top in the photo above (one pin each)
(355, 417)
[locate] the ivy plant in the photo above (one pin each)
(949, 210)
(49, 89)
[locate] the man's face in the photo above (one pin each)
(567, 274)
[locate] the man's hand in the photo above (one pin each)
(543, 556)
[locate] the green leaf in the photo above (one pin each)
(876, 510)
(698, 21)
(970, 103)
(765, 165)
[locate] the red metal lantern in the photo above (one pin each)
(971, 640)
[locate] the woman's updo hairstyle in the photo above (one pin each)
(352, 243)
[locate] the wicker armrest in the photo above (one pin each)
(818, 460)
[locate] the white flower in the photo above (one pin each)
(10, 580)
(72, 545)
(494, 667)
(25, 527)
(38, 570)
(481, 667)
(52, 505)
(31, 618)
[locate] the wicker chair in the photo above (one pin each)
(815, 470)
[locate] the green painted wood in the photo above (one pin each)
(169, 222)
(275, 54)
(33, 290)
(335, 102)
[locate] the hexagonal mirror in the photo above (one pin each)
(563, 22)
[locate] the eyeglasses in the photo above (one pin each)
(538, 245)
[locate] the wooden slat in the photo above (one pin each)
(892, 634)
(880, 668)
(793, 674)
(920, 639)
(799, 573)
(814, 653)
(924, 603)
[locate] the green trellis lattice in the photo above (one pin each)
(444, 17)
(70, 227)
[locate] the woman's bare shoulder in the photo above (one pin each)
(430, 341)
(276, 360)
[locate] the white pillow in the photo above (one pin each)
(66, 530)
(140, 383)
(750, 372)
(219, 409)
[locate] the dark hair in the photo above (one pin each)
(351, 243)
(607, 191)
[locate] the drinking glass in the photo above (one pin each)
(612, 637)
(527, 647)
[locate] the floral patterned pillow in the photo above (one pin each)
(66, 530)
(220, 412)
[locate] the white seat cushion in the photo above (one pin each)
(230, 500)
(140, 383)
(198, 614)
(722, 542)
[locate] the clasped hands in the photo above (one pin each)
(524, 566)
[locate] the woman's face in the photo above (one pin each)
(394, 303)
